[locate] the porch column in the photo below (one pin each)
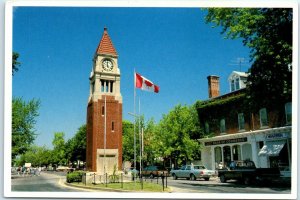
(254, 153)
(222, 155)
(289, 152)
(231, 153)
(213, 158)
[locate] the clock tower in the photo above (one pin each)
(104, 111)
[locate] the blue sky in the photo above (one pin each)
(173, 47)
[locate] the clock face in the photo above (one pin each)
(107, 65)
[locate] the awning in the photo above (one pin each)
(272, 148)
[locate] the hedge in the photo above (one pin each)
(75, 176)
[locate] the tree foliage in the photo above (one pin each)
(15, 63)
(174, 137)
(76, 146)
(128, 141)
(37, 156)
(268, 33)
(178, 131)
(24, 116)
(59, 150)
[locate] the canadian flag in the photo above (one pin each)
(145, 84)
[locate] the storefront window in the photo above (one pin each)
(218, 157)
(227, 155)
(236, 152)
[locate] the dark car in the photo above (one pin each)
(154, 171)
(247, 172)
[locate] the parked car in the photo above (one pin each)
(154, 171)
(64, 169)
(247, 172)
(192, 172)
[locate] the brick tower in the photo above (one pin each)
(104, 126)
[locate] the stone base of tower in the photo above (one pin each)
(107, 161)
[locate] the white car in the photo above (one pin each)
(192, 172)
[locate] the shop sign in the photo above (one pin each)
(276, 136)
(236, 140)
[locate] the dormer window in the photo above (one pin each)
(232, 87)
(237, 84)
(237, 80)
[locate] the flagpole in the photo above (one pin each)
(140, 137)
(134, 94)
(142, 144)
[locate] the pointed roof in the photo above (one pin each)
(106, 46)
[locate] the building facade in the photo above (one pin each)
(236, 132)
(104, 110)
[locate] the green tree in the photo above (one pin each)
(128, 141)
(76, 146)
(177, 134)
(59, 152)
(24, 116)
(37, 156)
(268, 33)
(151, 140)
(15, 63)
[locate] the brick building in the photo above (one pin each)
(235, 132)
(104, 110)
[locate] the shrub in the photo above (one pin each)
(75, 176)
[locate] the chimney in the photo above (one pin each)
(213, 86)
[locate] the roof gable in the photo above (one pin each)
(238, 74)
(106, 46)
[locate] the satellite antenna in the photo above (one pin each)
(239, 62)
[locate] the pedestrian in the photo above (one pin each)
(232, 165)
(23, 170)
(39, 170)
(19, 170)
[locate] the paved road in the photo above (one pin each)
(54, 182)
(215, 186)
(46, 182)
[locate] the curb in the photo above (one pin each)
(94, 188)
(110, 189)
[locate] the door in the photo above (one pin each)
(107, 164)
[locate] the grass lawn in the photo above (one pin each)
(129, 186)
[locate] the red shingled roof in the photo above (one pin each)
(106, 46)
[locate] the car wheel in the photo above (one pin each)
(174, 176)
(193, 177)
(207, 179)
(222, 179)
(247, 180)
